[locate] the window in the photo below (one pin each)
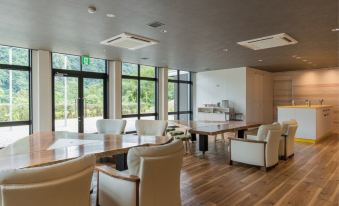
(139, 93)
(15, 94)
(179, 95)
(79, 93)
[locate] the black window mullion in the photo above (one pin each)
(30, 93)
(139, 92)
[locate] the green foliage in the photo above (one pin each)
(130, 90)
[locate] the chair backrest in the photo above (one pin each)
(272, 147)
(151, 127)
(264, 129)
(111, 126)
(286, 124)
(159, 173)
(67, 183)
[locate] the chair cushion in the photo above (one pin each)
(183, 137)
(174, 133)
(134, 155)
(263, 130)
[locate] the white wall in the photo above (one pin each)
(213, 86)
(249, 91)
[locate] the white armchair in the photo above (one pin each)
(67, 183)
(153, 178)
(289, 129)
(151, 127)
(111, 126)
(259, 152)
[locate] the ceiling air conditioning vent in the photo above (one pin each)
(156, 24)
(129, 41)
(269, 42)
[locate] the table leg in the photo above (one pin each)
(121, 161)
(241, 133)
(193, 137)
(203, 143)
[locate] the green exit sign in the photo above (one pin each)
(85, 60)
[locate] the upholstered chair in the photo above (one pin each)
(67, 184)
(262, 151)
(111, 126)
(289, 129)
(151, 127)
(153, 178)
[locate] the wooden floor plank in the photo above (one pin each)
(311, 177)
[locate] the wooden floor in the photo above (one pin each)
(310, 178)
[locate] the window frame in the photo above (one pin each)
(178, 81)
(80, 74)
(28, 69)
(140, 78)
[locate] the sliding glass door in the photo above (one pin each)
(15, 94)
(79, 95)
(66, 103)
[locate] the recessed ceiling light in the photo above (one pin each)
(298, 57)
(310, 62)
(304, 60)
(335, 29)
(225, 50)
(164, 31)
(260, 60)
(110, 15)
(91, 9)
(294, 56)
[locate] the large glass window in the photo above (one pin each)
(139, 93)
(179, 95)
(79, 93)
(15, 75)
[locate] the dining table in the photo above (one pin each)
(205, 128)
(45, 148)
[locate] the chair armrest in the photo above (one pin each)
(247, 140)
(116, 174)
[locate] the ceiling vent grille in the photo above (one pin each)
(269, 42)
(129, 41)
(156, 24)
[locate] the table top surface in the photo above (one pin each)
(51, 147)
(213, 127)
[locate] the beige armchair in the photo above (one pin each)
(111, 126)
(153, 178)
(151, 127)
(289, 129)
(67, 184)
(260, 152)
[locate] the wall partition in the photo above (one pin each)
(15, 94)
(139, 93)
(179, 95)
(79, 93)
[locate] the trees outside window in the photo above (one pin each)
(139, 93)
(15, 95)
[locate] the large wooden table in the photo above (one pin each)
(205, 128)
(52, 147)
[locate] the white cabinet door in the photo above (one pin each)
(307, 123)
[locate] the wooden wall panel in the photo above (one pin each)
(312, 85)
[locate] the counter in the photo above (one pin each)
(314, 122)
